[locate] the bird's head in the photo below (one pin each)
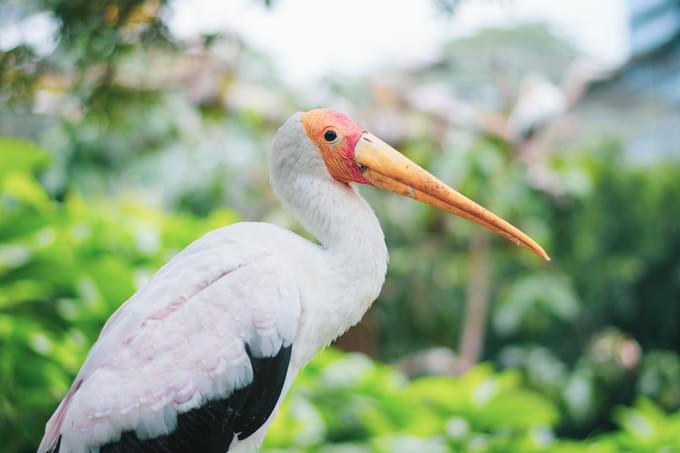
(350, 154)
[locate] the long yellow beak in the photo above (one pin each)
(387, 168)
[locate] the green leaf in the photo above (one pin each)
(18, 155)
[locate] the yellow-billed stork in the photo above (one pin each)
(199, 358)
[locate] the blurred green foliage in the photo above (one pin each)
(64, 268)
(593, 328)
(347, 403)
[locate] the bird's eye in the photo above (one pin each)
(330, 135)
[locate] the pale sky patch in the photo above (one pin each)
(311, 39)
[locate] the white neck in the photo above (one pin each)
(353, 250)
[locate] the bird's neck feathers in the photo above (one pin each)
(352, 242)
(354, 257)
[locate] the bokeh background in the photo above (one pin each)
(130, 127)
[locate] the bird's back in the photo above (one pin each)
(208, 337)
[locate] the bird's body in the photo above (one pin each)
(198, 358)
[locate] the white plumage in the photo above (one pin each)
(216, 322)
(179, 341)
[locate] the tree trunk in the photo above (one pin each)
(361, 338)
(476, 304)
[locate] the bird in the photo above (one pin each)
(201, 356)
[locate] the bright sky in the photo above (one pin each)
(309, 39)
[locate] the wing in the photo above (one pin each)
(196, 357)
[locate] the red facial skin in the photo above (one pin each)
(338, 154)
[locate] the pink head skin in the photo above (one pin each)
(336, 135)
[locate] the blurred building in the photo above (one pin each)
(645, 91)
(654, 67)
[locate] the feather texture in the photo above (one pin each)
(179, 343)
(211, 427)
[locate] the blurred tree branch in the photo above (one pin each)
(476, 303)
